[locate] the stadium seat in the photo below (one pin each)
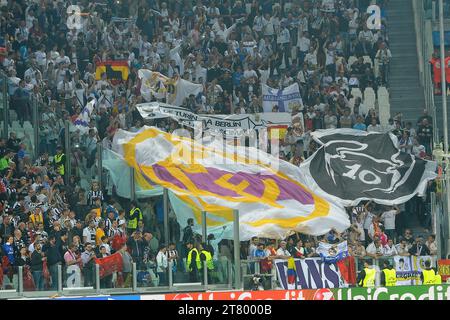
(351, 61)
(351, 103)
(369, 98)
(383, 106)
(356, 92)
(368, 59)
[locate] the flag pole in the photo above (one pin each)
(237, 250)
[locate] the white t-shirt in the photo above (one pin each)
(90, 235)
(283, 252)
(387, 251)
(375, 128)
(303, 44)
(368, 220)
(388, 218)
(41, 58)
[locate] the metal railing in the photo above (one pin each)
(75, 284)
(425, 50)
(140, 281)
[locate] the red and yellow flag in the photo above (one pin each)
(117, 70)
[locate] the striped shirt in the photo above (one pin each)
(92, 195)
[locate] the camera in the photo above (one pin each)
(257, 283)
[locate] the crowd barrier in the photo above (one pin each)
(310, 273)
(434, 292)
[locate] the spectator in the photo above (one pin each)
(54, 258)
(37, 260)
(282, 252)
(388, 218)
(431, 244)
(418, 248)
(87, 257)
(374, 126)
(162, 264)
(89, 233)
(425, 135)
(359, 125)
(375, 249)
(136, 246)
(389, 249)
(299, 250)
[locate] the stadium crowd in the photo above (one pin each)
(231, 47)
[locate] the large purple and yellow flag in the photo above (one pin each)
(216, 177)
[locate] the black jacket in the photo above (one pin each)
(20, 262)
(53, 255)
(137, 249)
(424, 251)
(36, 261)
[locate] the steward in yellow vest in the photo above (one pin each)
(388, 275)
(59, 161)
(134, 217)
(205, 256)
(366, 278)
(429, 276)
(193, 262)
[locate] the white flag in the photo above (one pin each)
(287, 99)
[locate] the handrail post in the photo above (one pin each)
(205, 275)
(237, 250)
(134, 277)
(60, 278)
(97, 278)
(20, 282)
(170, 275)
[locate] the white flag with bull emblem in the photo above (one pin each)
(354, 165)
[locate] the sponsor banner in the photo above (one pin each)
(436, 292)
(444, 269)
(320, 294)
(332, 253)
(122, 297)
(310, 273)
(226, 125)
(354, 165)
(287, 99)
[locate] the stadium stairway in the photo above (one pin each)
(406, 93)
(439, 114)
(405, 90)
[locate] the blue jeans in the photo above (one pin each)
(38, 280)
(53, 269)
(162, 278)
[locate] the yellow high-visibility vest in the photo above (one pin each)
(59, 164)
(390, 277)
(132, 223)
(369, 280)
(438, 279)
(197, 259)
(209, 260)
(429, 276)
